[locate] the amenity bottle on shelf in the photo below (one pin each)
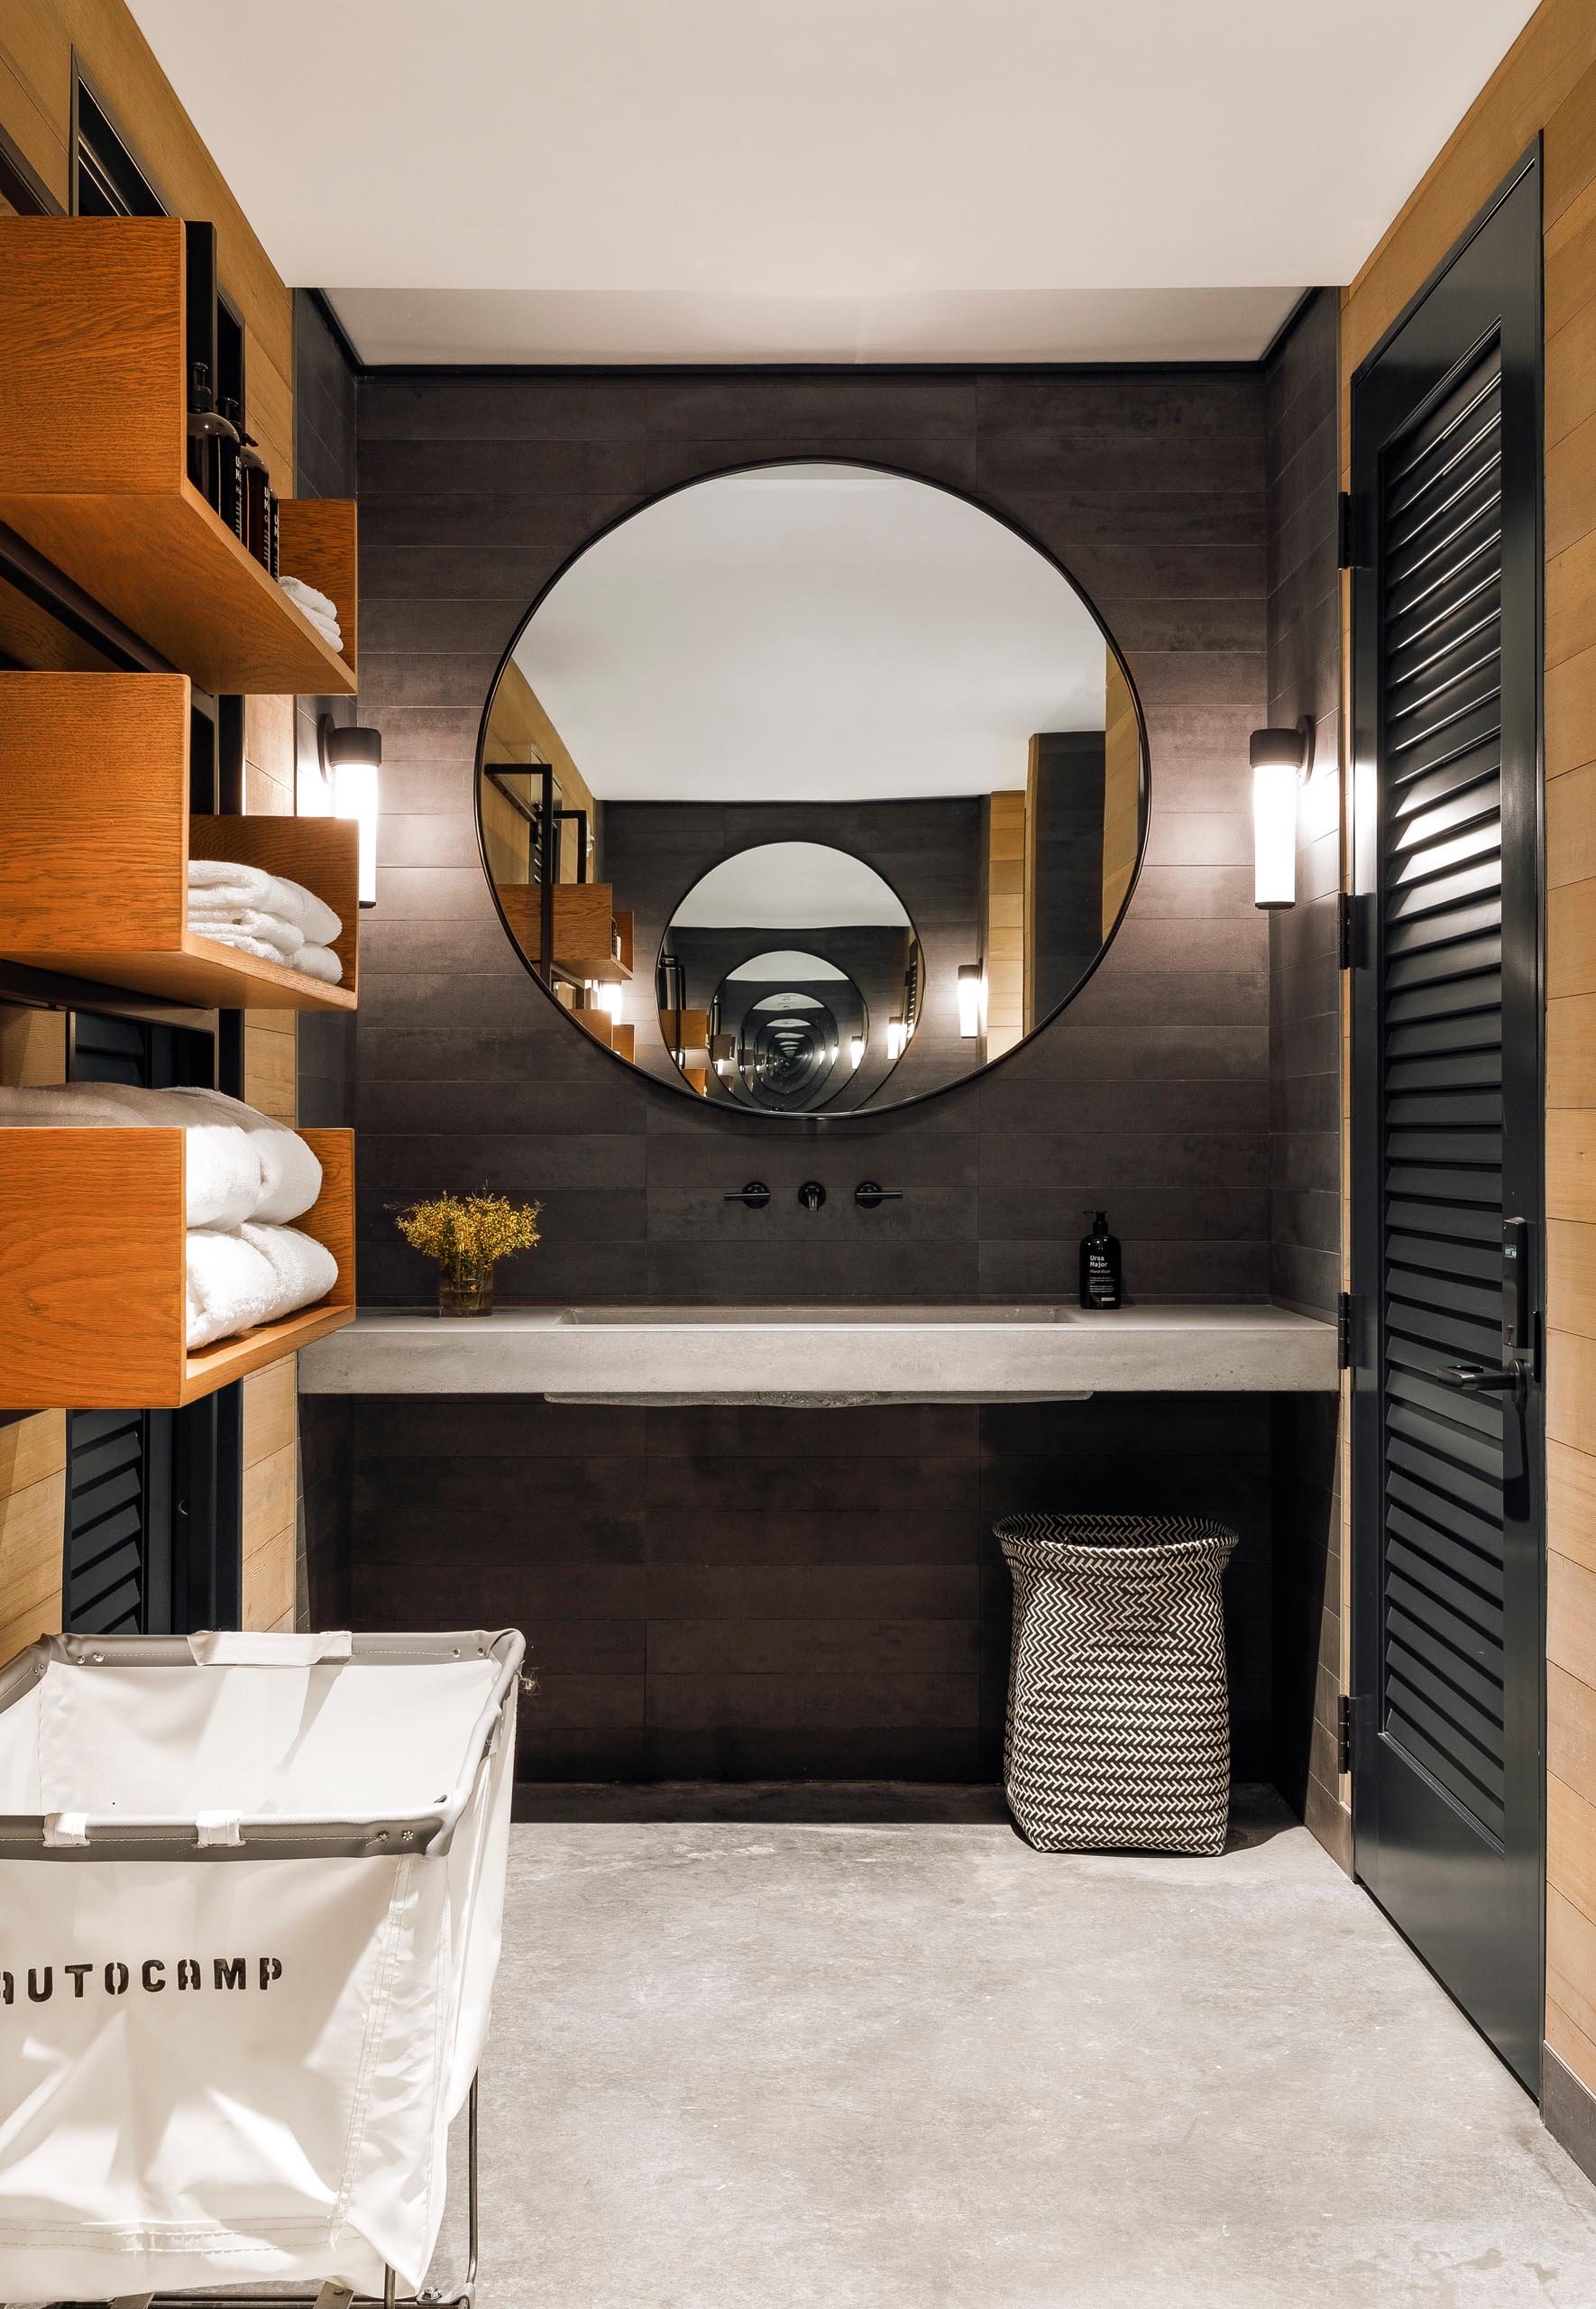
(260, 499)
(1100, 1280)
(214, 452)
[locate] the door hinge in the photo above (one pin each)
(1346, 930)
(1344, 1733)
(1344, 1330)
(1346, 531)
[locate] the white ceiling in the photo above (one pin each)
(805, 634)
(850, 179)
(779, 884)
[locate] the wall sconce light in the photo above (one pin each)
(855, 1051)
(723, 1052)
(604, 996)
(1281, 761)
(971, 988)
(895, 1039)
(350, 760)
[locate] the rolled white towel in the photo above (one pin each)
(231, 1286)
(222, 1171)
(217, 885)
(317, 961)
(291, 1174)
(304, 1269)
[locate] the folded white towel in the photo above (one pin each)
(308, 598)
(221, 886)
(270, 928)
(304, 1270)
(328, 628)
(242, 941)
(244, 1275)
(231, 1286)
(291, 1174)
(317, 961)
(221, 1163)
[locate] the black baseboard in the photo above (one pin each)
(1568, 2111)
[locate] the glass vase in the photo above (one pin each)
(469, 1292)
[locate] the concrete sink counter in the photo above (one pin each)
(818, 1356)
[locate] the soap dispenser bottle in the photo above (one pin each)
(1100, 1278)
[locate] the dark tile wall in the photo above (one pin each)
(1305, 1062)
(1150, 1096)
(722, 1591)
(734, 1593)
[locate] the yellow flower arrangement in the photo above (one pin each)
(468, 1234)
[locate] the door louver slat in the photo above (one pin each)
(1442, 1069)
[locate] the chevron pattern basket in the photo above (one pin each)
(1118, 1726)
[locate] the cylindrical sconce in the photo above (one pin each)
(350, 760)
(970, 1005)
(895, 1040)
(856, 1050)
(1281, 761)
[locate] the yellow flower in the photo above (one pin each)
(465, 1233)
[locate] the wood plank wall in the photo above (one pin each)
(37, 41)
(1547, 84)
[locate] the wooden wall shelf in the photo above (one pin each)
(94, 864)
(587, 928)
(92, 1300)
(93, 464)
(615, 1034)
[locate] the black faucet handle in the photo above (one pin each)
(754, 1196)
(868, 1194)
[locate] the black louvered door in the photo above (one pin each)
(1447, 1131)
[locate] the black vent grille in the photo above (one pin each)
(114, 1475)
(1442, 1090)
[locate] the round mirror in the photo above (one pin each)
(811, 789)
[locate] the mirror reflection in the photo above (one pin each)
(812, 788)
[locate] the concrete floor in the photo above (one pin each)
(781, 2050)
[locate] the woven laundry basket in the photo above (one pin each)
(1118, 1725)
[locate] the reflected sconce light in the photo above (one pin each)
(723, 1052)
(855, 1051)
(971, 988)
(895, 1040)
(606, 996)
(350, 760)
(1281, 761)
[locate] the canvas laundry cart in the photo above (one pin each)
(251, 1893)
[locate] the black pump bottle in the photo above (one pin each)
(1099, 1264)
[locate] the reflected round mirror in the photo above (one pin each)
(812, 788)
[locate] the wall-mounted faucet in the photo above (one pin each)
(869, 1196)
(812, 1194)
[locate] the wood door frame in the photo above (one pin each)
(1524, 1071)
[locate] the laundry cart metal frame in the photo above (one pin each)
(341, 1835)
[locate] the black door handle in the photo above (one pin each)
(1484, 1379)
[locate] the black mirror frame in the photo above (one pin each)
(677, 1089)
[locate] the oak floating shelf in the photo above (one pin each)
(93, 464)
(93, 1309)
(587, 930)
(94, 866)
